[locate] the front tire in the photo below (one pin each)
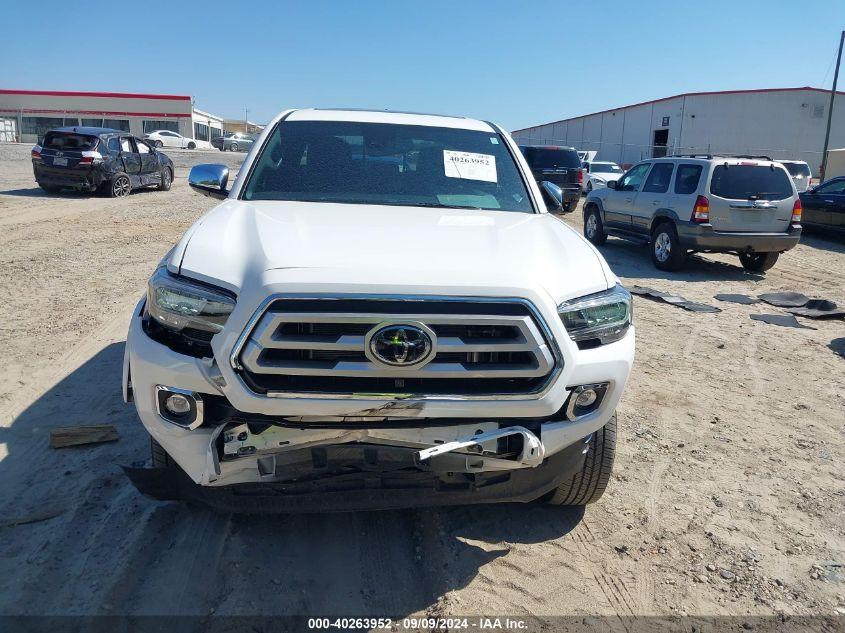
(159, 144)
(593, 227)
(758, 262)
(192, 145)
(166, 179)
(119, 187)
(588, 485)
(234, 147)
(667, 253)
(159, 456)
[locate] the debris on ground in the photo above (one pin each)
(735, 298)
(783, 320)
(35, 517)
(819, 309)
(65, 436)
(784, 299)
(676, 300)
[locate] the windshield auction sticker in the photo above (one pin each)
(469, 166)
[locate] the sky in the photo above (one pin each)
(515, 63)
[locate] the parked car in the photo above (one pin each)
(236, 142)
(99, 159)
(166, 138)
(800, 173)
(712, 204)
(824, 205)
(599, 172)
(341, 333)
(560, 165)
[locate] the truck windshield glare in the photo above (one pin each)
(385, 164)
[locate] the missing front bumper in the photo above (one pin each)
(359, 476)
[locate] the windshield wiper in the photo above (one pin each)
(437, 205)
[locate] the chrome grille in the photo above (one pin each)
(320, 346)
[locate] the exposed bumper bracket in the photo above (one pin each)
(531, 456)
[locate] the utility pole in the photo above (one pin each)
(830, 106)
(246, 110)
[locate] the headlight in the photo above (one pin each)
(599, 318)
(178, 303)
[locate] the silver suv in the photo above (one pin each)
(715, 204)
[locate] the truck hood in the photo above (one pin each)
(389, 249)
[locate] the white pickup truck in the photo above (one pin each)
(380, 313)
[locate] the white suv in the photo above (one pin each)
(380, 313)
(717, 204)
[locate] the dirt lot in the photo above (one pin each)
(727, 498)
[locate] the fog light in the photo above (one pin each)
(177, 404)
(179, 407)
(585, 399)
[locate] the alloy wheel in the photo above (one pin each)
(121, 187)
(592, 225)
(662, 247)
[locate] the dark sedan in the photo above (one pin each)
(824, 205)
(99, 159)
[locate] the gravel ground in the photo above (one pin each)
(727, 497)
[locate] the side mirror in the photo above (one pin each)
(612, 184)
(210, 180)
(553, 196)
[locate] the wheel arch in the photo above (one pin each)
(663, 215)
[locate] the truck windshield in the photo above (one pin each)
(389, 164)
(605, 168)
(797, 169)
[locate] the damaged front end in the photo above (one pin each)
(259, 466)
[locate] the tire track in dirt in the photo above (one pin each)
(180, 549)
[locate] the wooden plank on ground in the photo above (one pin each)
(31, 518)
(79, 435)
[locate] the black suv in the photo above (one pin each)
(559, 165)
(99, 159)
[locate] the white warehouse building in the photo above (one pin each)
(785, 123)
(25, 115)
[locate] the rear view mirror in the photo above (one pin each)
(612, 184)
(210, 180)
(553, 195)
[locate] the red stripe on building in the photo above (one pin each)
(161, 115)
(124, 95)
